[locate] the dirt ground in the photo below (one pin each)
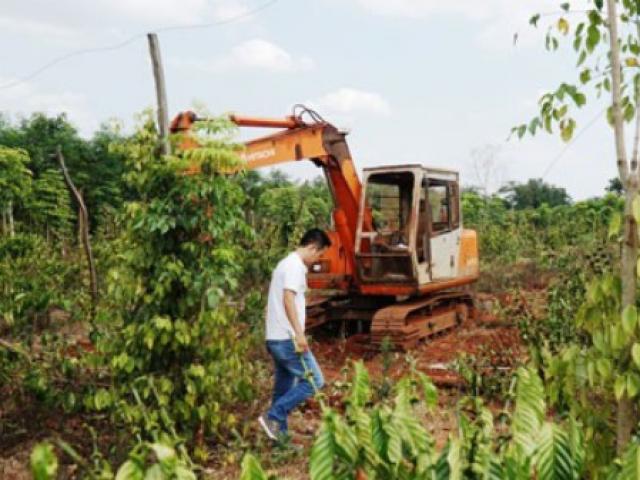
(489, 340)
(495, 342)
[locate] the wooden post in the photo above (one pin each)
(161, 93)
(84, 221)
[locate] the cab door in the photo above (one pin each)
(444, 227)
(423, 228)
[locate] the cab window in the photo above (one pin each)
(444, 206)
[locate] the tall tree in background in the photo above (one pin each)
(534, 194)
(95, 168)
(600, 36)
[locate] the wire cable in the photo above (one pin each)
(573, 140)
(132, 39)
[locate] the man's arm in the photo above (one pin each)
(292, 316)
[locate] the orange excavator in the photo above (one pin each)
(400, 263)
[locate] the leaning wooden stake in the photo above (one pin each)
(161, 93)
(84, 223)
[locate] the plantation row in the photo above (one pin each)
(166, 370)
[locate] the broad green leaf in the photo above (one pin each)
(251, 469)
(155, 472)
(631, 463)
(593, 37)
(629, 319)
(553, 458)
(44, 463)
(631, 62)
(604, 367)
(130, 470)
(633, 384)
(529, 410)
(635, 354)
(163, 452)
(102, 399)
(322, 453)
(615, 224)
(183, 473)
(455, 460)
(360, 388)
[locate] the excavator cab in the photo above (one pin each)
(415, 233)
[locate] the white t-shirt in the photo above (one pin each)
(289, 274)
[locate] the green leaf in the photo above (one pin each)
(620, 387)
(585, 75)
(130, 470)
(360, 388)
(581, 58)
(163, 452)
(629, 319)
(630, 463)
(529, 410)
(553, 458)
(534, 20)
(322, 453)
(183, 473)
(102, 399)
(614, 225)
(251, 469)
(155, 472)
(566, 129)
(633, 384)
(631, 62)
(44, 463)
(593, 37)
(604, 367)
(635, 354)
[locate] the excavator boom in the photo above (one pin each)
(326, 147)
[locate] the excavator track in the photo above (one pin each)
(406, 323)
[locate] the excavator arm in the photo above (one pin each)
(326, 147)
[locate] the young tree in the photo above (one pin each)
(601, 35)
(176, 346)
(49, 206)
(15, 183)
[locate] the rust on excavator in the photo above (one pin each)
(400, 260)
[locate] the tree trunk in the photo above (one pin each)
(626, 416)
(12, 230)
(84, 220)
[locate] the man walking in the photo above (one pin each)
(286, 341)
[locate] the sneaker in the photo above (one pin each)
(270, 427)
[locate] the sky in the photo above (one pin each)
(434, 82)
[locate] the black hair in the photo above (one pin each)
(316, 237)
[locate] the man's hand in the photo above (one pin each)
(301, 344)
